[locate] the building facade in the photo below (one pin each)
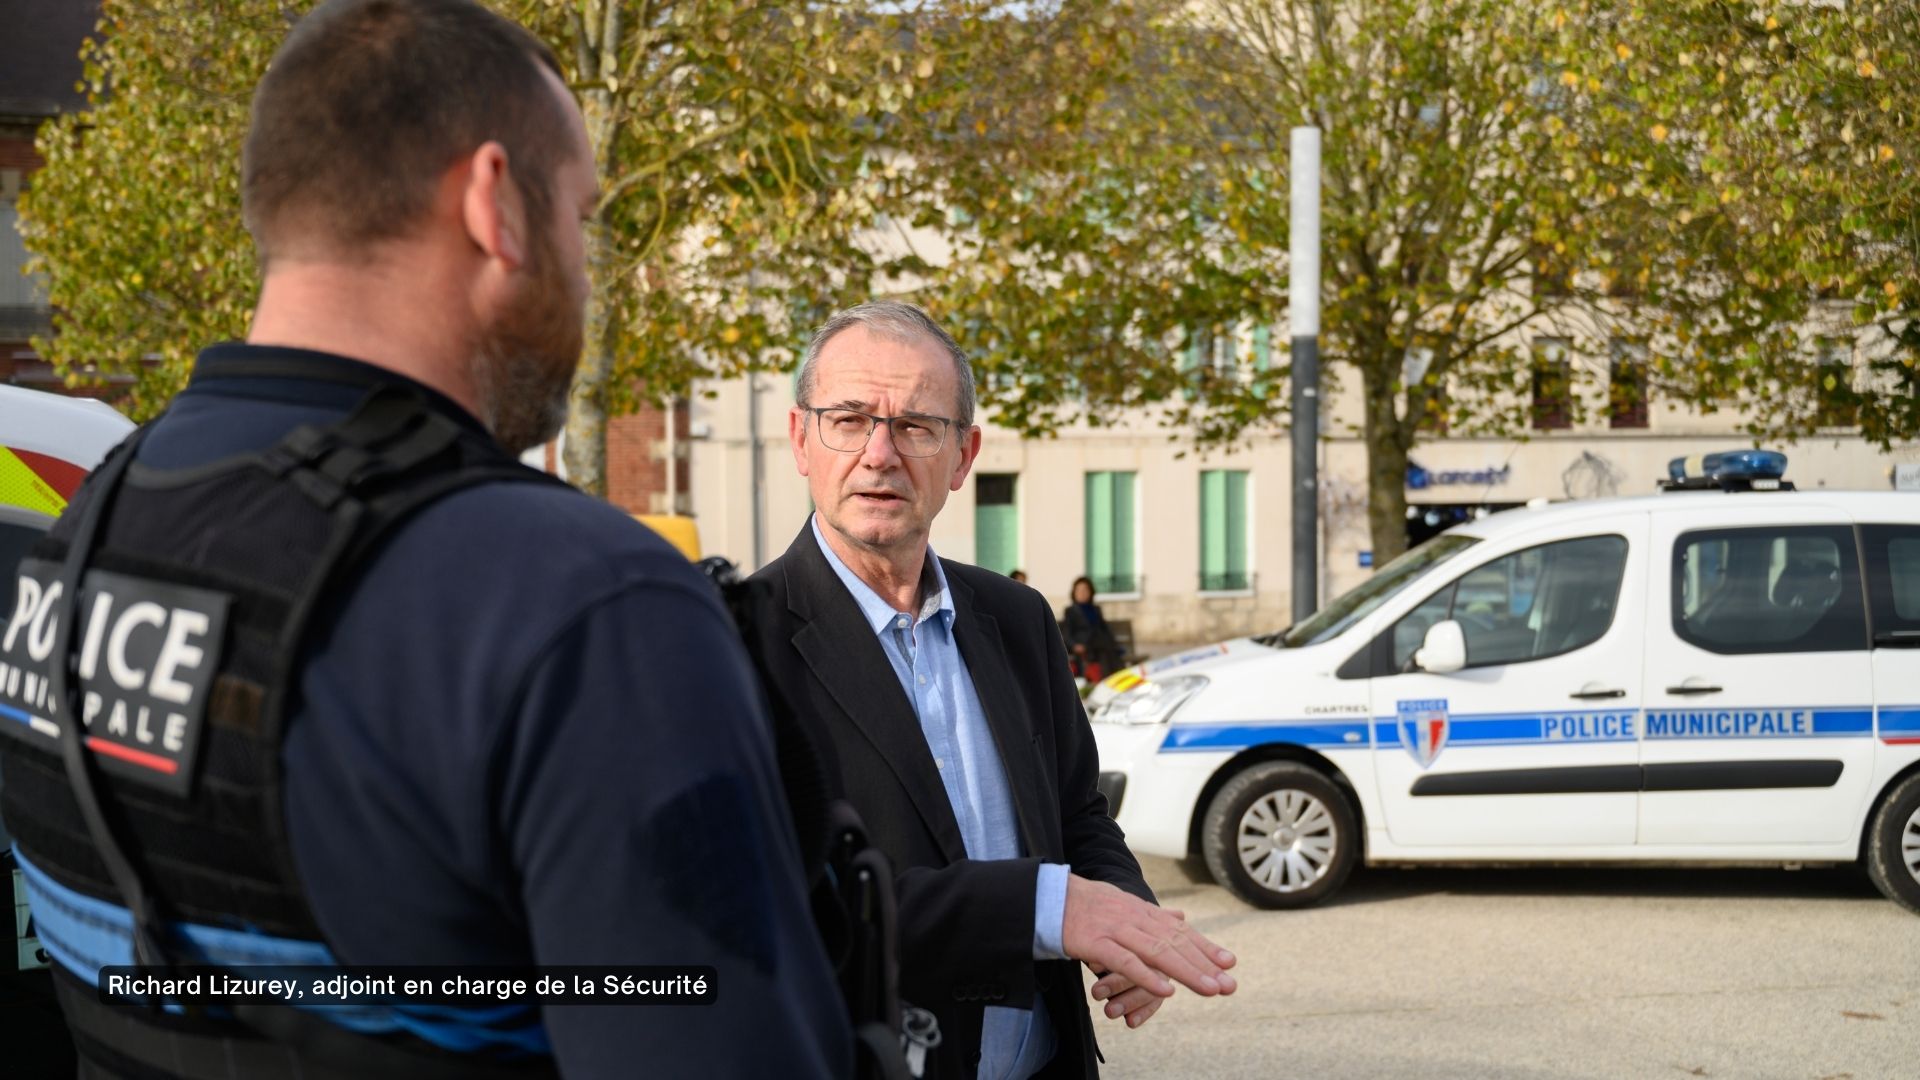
(39, 67)
(1195, 547)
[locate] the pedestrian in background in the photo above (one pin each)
(1096, 654)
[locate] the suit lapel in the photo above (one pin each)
(981, 646)
(841, 649)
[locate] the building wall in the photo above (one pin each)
(22, 309)
(640, 459)
(16, 150)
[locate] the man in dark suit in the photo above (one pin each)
(940, 695)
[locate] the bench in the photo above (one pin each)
(1123, 637)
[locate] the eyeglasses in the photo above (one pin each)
(914, 434)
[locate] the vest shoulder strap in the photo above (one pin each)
(368, 474)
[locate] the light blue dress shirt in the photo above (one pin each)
(1014, 1043)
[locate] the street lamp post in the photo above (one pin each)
(1303, 301)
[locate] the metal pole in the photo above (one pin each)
(758, 479)
(1303, 296)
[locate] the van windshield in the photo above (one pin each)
(1357, 603)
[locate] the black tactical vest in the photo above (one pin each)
(199, 589)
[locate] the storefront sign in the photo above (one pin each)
(1420, 479)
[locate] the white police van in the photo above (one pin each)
(48, 444)
(1687, 676)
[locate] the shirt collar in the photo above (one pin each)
(935, 598)
(304, 376)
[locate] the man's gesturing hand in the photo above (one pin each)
(1114, 931)
(1125, 999)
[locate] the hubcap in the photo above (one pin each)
(1287, 840)
(1910, 845)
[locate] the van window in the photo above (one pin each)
(1365, 598)
(1777, 588)
(1530, 605)
(1893, 581)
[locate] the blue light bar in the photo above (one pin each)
(1729, 465)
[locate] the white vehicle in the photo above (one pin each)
(1685, 677)
(48, 444)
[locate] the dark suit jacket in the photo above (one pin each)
(966, 927)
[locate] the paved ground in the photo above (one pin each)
(1573, 973)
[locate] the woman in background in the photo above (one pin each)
(1093, 651)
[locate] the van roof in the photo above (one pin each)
(75, 430)
(1885, 505)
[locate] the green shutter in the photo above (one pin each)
(1237, 528)
(1223, 529)
(996, 538)
(1213, 526)
(1110, 554)
(1099, 524)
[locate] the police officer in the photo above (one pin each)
(353, 686)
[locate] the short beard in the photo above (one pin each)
(523, 364)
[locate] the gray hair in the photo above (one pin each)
(894, 320)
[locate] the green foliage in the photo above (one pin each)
(738, 149)
(1782, 143)
(135, 219)
(746, 151)
(1670, 173)
(1456, 165)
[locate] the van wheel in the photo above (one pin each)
(1893, 847)
(1280, 835)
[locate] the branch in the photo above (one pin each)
(579, 18)
(654, 168)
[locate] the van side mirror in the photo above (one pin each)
(1445, 649)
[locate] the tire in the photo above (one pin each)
(1893, 845)
(1269, 804)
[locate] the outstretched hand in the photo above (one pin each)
(1143, 949)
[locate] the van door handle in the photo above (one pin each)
(1692, 687)
(1595, 692)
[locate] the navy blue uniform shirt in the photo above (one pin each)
(530, 736)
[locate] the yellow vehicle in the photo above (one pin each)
(676, 529)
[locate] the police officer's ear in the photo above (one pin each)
(491, 208)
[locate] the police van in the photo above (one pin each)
(48, 444)
(1691, 676)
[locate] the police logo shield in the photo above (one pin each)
(1423, 729)
(146, 653)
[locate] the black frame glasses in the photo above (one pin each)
(901, 429)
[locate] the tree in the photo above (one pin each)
(1784, 146)
(1458, 197)
(1496, 175)
(736, 142)
(135, 219)
(739, 149)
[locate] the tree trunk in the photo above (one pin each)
(1386, 468)
(586, 448)
(586, 454)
